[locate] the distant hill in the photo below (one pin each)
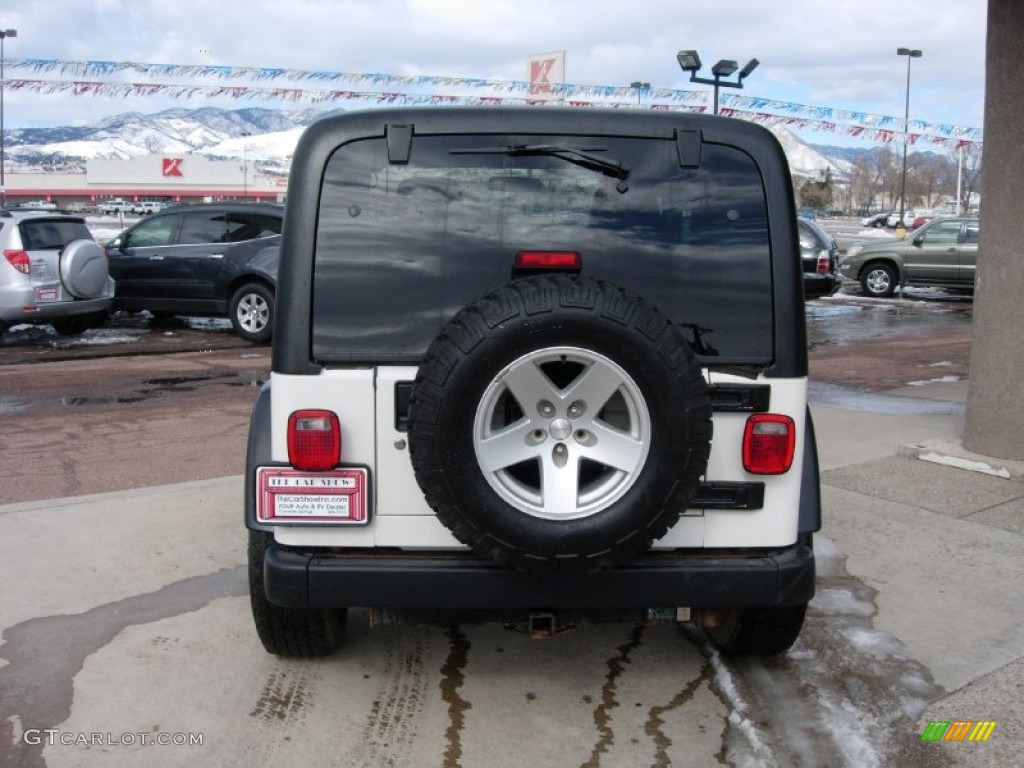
(217, 133)
(132, 134)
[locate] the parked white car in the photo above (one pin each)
(117, 205)
(39, 205)
(146, 207)
(908, 218)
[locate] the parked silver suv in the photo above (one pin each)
(52, 272)
(943, 253)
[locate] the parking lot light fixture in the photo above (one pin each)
(724, 68)
(910, 53)
(689, 61)
(4, 34)
(245, 165)
(640, 88)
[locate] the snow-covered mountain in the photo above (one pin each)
(807, 160)
(271, 132)
(272, 136)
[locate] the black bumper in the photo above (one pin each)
(455, 581)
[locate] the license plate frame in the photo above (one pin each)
(293, 497)
(48, 294)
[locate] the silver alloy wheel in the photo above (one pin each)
(562, 433)
(253, 312)
(878, 281)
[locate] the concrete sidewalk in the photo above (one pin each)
(935, 531)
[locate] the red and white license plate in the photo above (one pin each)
(336, 497)
(47, 294)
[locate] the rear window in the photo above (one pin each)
(401, 248)
(51, 234)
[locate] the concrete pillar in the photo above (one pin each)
(995, 400)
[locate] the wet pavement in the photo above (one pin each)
(145, 633)
(171, 650)
(848, 317)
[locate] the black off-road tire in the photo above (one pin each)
(301, 633)
(76, 324)
(557, 325)
(758, 631)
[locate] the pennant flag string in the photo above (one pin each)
(871, 127)
(559, 90)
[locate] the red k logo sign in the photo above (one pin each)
(540, 71)
(172, 166)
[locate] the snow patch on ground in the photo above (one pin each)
(101, 337)
(760, 754)
(961, 463)
(878, 645)
(854, 729)
(833, 602)
(825, 309)
(940, 380)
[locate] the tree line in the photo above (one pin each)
(873, 183)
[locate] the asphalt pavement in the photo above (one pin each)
(139, 597)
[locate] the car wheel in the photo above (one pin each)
(559, 424)
(72, 326)
(758, 631)
(294, 632)
(878, 280)
(252, 312)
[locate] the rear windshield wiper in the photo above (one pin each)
(582, 158)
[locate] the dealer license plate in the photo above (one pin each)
(290, 496)
(47, 294)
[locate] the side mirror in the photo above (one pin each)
(919, 240)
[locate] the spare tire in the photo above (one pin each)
(83, 269)
(559, 424)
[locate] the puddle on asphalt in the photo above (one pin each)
(154, 388)
(11, 405)
(838, 396)
(832, 322)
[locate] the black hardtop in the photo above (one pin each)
(292, 352)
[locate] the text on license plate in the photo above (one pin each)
(47, 294)
(290, 496)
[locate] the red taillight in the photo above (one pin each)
(19, 260)
(549, 260)
(769, 442)
(824, 263)
(314, 440)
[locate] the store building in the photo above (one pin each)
(168, 178)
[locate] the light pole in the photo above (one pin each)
(689, 61)
(639, 87)
(910, 54)
(4, 34)
(245, 166)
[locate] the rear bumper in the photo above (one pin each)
(454, 581)
(13, 307)
(816, 286)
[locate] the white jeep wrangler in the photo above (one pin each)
(539, 365)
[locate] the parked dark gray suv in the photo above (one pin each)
(535, 365)
(207, 260)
